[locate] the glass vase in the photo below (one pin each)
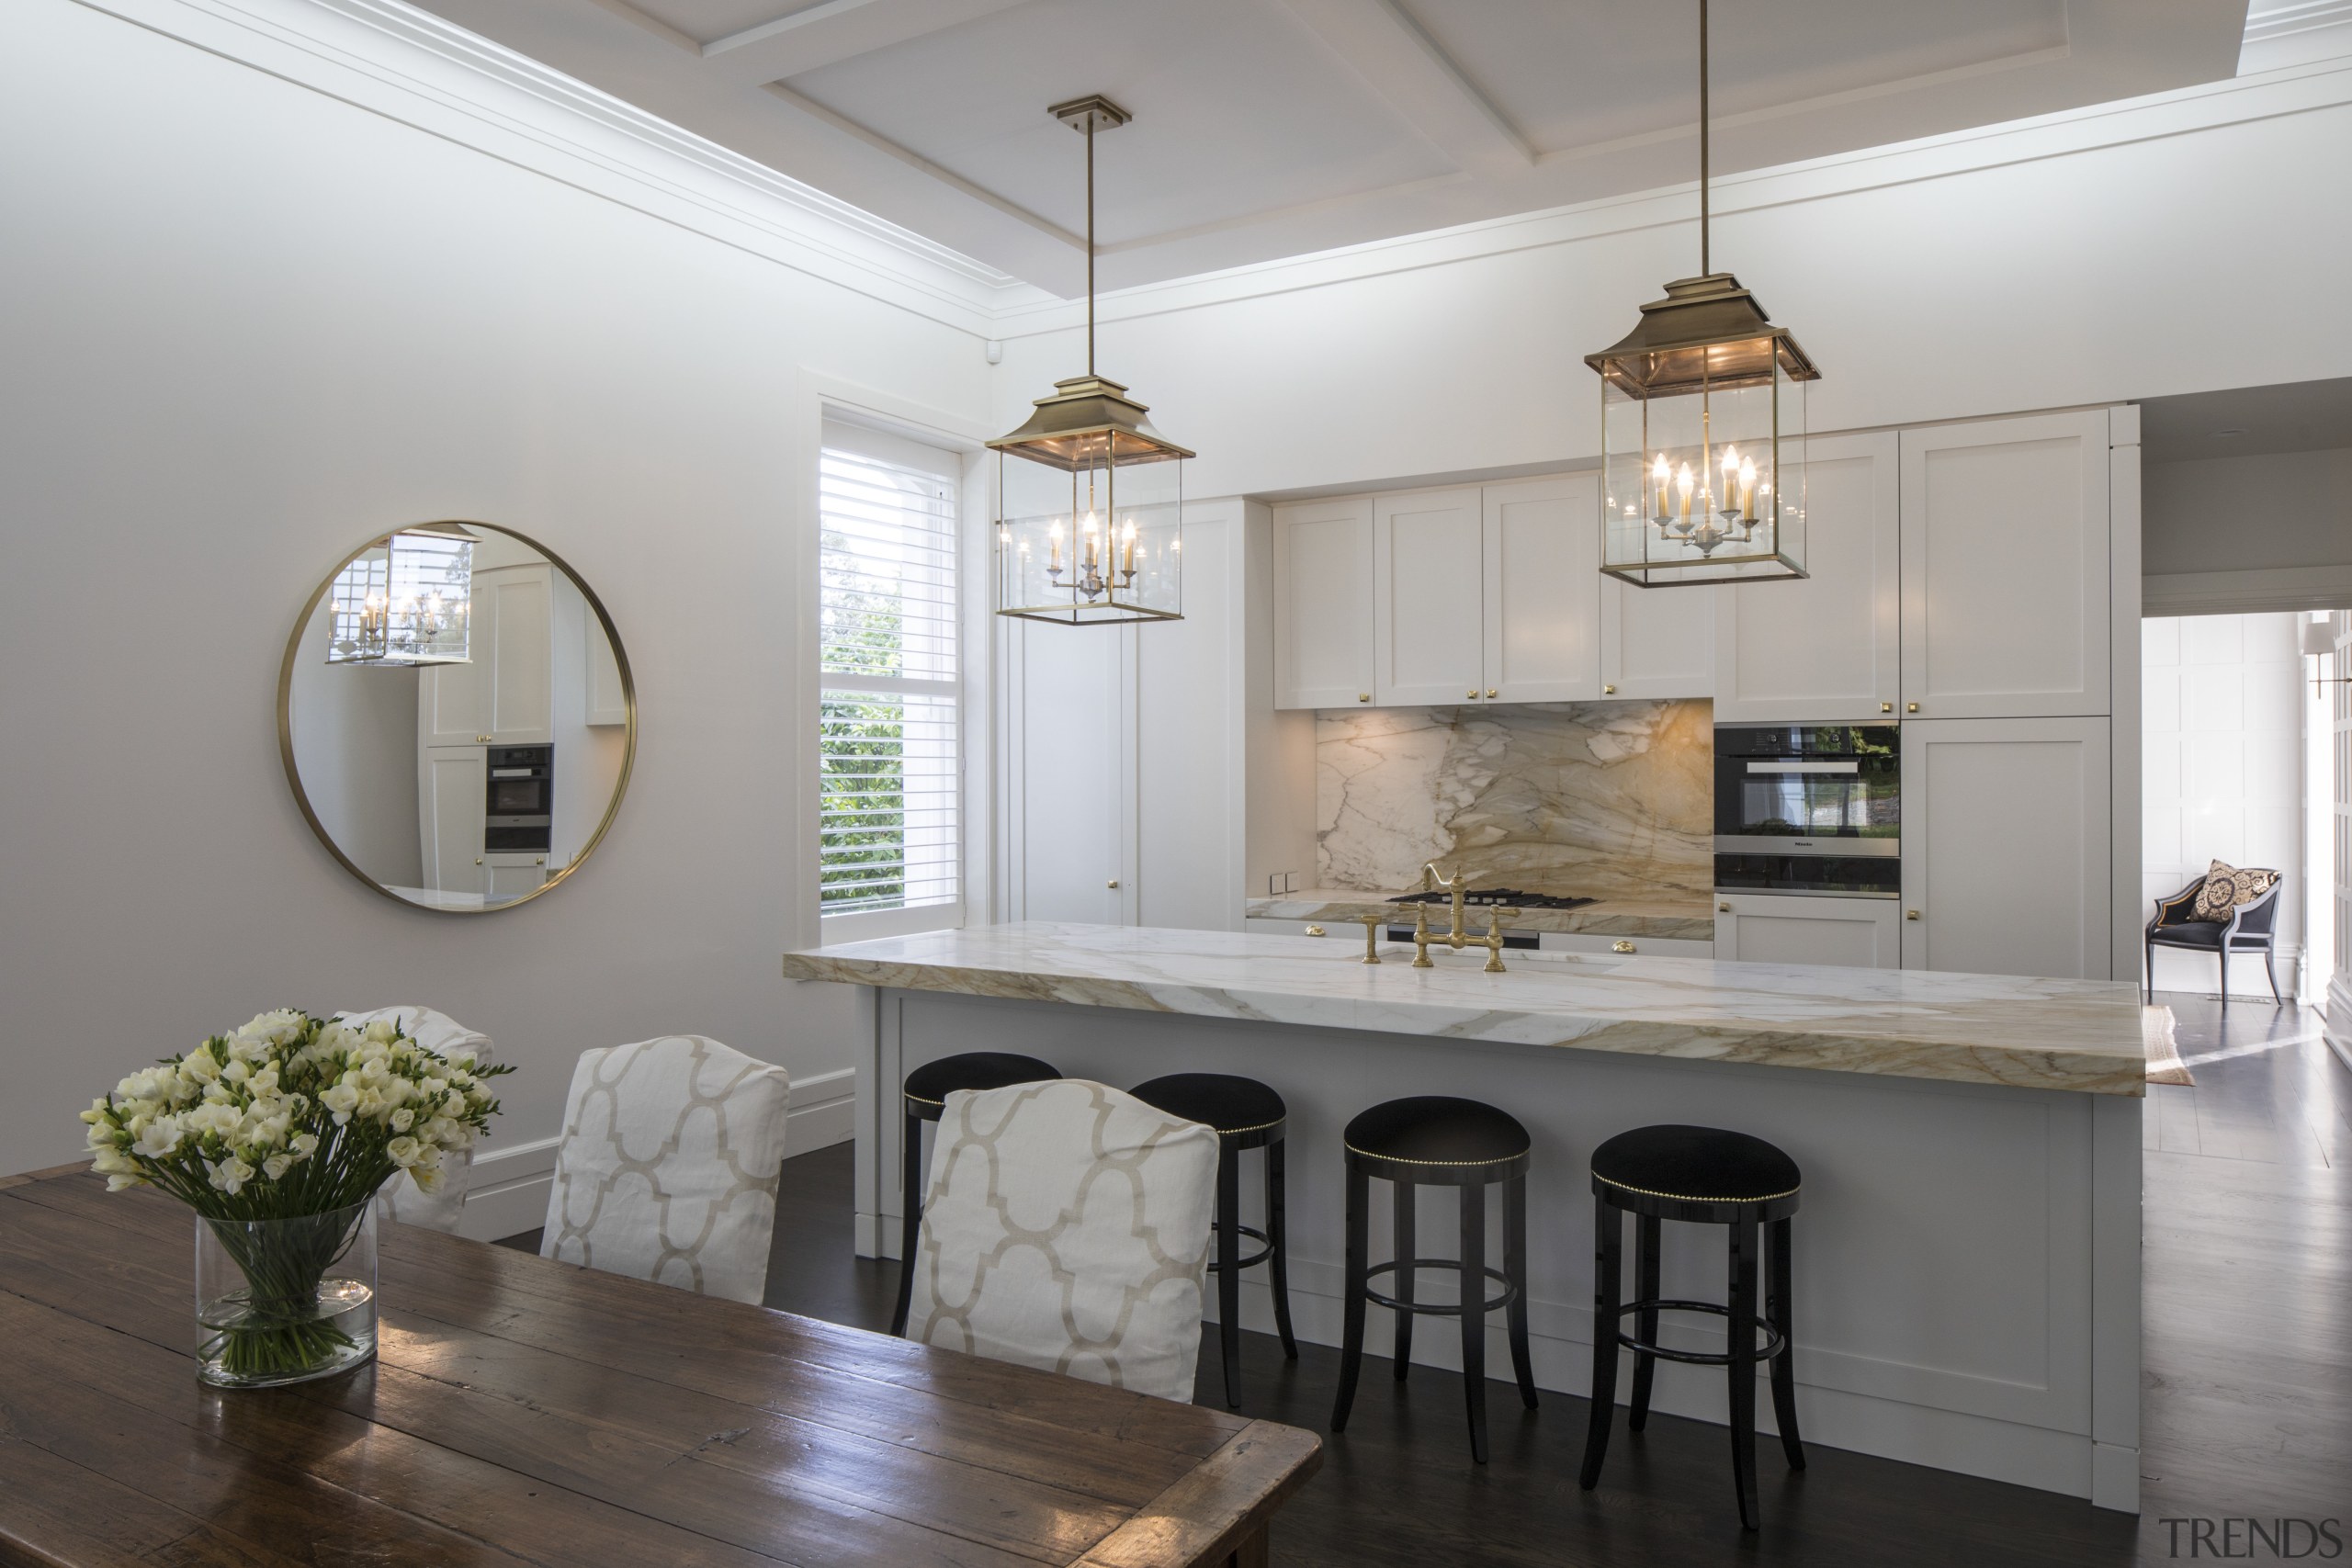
(285, 1301)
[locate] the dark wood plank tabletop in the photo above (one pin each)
(525, 1411)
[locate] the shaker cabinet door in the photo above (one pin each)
(2006, 847)
(1543, 589)
(1428, 584)
(2006, 566)
(1825, 648)
(451, 803)
(1657, 642)
(1765, 928)
(1323, 603)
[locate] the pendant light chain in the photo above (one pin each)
(1089, 241)
(1705, 264)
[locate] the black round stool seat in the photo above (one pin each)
(1695, 1164)
(924, 1098)
(931, 1084)
(1438, 1130)
(1232, 1105)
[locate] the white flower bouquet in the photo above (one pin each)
(278, 1136)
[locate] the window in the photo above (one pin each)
(890, 779)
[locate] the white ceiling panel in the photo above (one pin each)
(1271, 127)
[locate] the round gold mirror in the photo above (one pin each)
(457, 717)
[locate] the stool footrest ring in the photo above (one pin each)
(1771, 1340)
(1447, 1309)
(1264, 1251)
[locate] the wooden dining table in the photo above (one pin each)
(525, 1411)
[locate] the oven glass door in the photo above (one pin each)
(1774, 797)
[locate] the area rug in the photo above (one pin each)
(2164, 1065)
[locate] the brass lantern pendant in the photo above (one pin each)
(1702, 429)
(1090, 498)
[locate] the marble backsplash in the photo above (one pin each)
(1606, 800)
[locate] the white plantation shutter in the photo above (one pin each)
(889, 747)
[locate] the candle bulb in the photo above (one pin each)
(1129, 535)
(1054, 536)
(1660, 476)
(1682, 482)
(1747, 488)
(1093, 524)
(1731, 474)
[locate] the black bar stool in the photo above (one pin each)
(1435, 1140)
(925, 1094)
(1701, 1176)
(1247, 1114)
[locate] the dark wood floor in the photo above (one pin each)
(2248, 1377)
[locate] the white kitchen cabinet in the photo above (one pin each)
(451, 804)
(1827, 649)
(1428, 584)
(513, 876)
(608, 699)
(504, 694)
(1541, 599)
(1657, 642)
(1323, 587)
(2006, 847)
(2005, 568)
(1786, 928)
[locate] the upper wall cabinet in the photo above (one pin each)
(1541, 607)
(1657, 642)
(2006, 566)
(505, 693)
(1428, 581)
(1827, 649)
(1323, 593)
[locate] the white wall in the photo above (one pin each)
(358, 754)
(250, 325)
(2100, 257)
(2279, 509)
(2222, 775)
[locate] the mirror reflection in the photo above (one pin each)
(457, 719)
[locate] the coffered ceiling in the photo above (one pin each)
(1272, 127)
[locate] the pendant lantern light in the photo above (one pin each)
(1702, 429)
(405, 600)
(1090, 498)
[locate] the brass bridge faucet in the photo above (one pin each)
(1456, 937)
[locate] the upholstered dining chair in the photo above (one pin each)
(401, 1198)
(2227, 910)
(668, 1165)
(1066, 1225)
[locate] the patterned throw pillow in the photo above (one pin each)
(1067, 1226)
(2226, 888)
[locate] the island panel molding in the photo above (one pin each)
(2074, 1035)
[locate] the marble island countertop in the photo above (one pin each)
(2081, 1035)
(1691, 920)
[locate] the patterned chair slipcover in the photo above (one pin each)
(668, 1166)
(399, 1198)
(1067, 1226)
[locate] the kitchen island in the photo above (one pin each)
(1967, 1255)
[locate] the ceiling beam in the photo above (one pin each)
(832, 30)
(1387, 48)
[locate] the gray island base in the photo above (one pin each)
(1968, 1251)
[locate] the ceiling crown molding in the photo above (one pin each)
(407, 65)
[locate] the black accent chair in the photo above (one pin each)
(925, 1094)
(2251, 927)
(1247, 1114)
(1699, 1175)
(1435, 1140)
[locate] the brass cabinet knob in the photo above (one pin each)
(1724, 908)
(1493, 691)
(477, 860)
(1364, 696)
(1911, 707)
(1113, 883)
(1472, 694)
(1621, 945)
(541, 860)
(1910, 914)
(1315, 931)
(1886, 707)
(1608, 690)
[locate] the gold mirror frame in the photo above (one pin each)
(286, 719)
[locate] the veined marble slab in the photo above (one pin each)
(2082, 1035)
(1684, 921)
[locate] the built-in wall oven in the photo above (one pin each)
(519, 810)
(1809, 808)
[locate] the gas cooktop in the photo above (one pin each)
(1491, 895)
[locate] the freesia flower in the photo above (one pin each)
(231, 1174)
